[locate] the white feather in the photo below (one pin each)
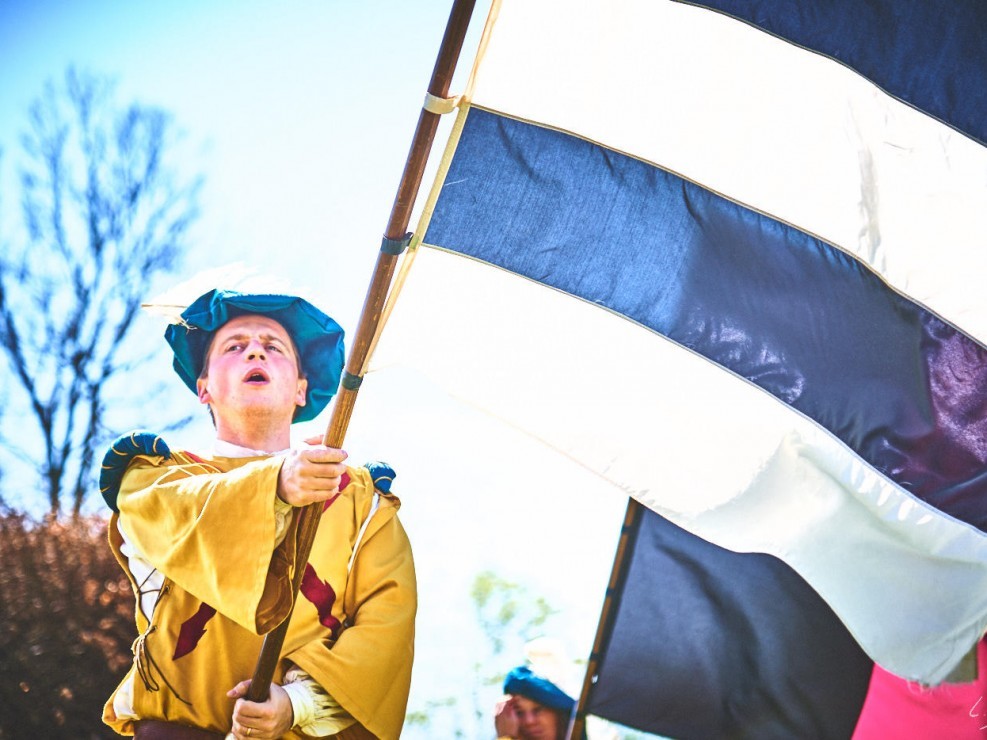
(236, 276)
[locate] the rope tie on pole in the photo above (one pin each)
(441, 106)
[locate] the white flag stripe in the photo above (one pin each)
(631, 406)
(775, 127)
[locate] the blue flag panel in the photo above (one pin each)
(792, 314)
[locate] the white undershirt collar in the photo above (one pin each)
(222, 448)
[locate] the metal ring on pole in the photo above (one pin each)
(350, 381)
(395, 246)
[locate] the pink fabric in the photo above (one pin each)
(901, 710)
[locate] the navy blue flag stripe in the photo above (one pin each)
(794, 315)
(930, 55)
(709, 643)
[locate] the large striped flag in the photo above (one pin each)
(733, 264)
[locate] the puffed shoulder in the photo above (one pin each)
(124, 449)
(382, 475)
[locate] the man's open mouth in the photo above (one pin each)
(256, 376)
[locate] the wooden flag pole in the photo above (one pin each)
(617, 575)
(393, 243)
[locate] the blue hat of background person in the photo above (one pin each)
(317, 337)
(525, 682)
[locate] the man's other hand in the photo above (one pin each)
(267, 721)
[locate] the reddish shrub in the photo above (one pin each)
(66, 626)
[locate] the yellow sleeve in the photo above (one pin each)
(212, 533)
(368, 670)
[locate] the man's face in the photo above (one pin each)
(535, 721)
(251, 369)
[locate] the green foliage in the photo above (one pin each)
(507, 612)
(423, 717)
(66, 625)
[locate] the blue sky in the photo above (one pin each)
(300, 116)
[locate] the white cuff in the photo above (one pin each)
(316, 712)
(302, 703)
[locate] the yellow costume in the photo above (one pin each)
(209, 526)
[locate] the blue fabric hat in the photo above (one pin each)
(523, 681)
(318, 338)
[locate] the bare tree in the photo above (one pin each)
(103, 214)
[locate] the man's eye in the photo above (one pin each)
(233, 347)
(274, 347)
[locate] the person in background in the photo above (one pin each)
(534, 708)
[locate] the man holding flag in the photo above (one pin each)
(209, 543)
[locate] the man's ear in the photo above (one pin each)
(300, 399)
(202, 391)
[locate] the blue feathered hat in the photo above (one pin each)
(318, 338)
(525, 682)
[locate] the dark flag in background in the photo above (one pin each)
(709, 643)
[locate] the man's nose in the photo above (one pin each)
(256, 350)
